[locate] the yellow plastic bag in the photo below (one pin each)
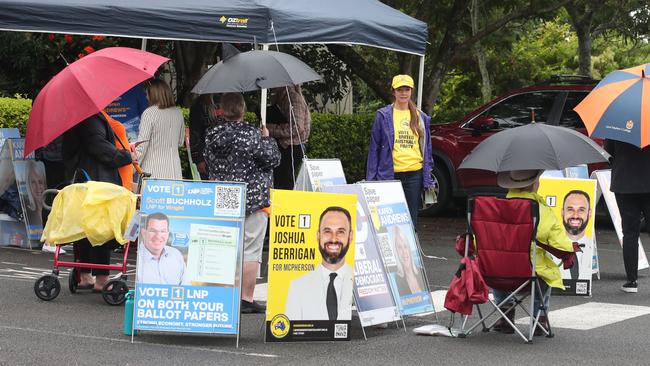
(95, 210)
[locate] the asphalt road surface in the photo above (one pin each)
(608, 328)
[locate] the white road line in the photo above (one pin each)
(48, 270)
(122, 340)
(24, 279)
(586, 316)
(592, 315)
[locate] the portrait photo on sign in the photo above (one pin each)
(408, 275)
(7, 176)
(31, 182)
(159, 262)
(334, 237)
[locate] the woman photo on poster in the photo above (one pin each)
(7, 177)
(408, 278)
(35, 181)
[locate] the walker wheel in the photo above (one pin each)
(114, 292)
(47, 287)
(73, 280)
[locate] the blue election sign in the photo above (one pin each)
(189, 256)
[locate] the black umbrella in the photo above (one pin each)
(534, 146)
(254, 70)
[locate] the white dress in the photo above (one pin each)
(165, 131)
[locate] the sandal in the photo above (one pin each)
(87, 286)
(101, 289)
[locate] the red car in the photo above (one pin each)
(552, 102)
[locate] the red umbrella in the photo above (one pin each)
(84, 88)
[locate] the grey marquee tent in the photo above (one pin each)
(365, 22)
(361, 22)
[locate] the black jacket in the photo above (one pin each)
(201, 120)
(90, 145)
(237, 152)
(630, 167)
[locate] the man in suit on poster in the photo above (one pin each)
(326, 292)
(158, 261)
(575, 216)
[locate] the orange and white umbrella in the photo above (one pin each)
(619, 107)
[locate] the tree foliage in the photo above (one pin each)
(522, 41)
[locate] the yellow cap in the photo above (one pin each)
(402, 80)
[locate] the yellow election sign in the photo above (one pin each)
(311, 266)
(573, 202)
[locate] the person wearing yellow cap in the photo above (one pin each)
(400, 147)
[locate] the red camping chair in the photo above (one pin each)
(504, 232)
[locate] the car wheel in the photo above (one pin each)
(443, 191)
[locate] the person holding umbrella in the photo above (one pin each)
(631, 186)
(550, 232)
(399, 145)
(291, 131)
(617, 110)
(236, 151)
(70, 105)
(90, 146)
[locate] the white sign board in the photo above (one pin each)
(604, 178)
(317, 173)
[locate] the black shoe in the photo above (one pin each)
(502, 325)
(252, 307)
(543, 322)
(630, 287)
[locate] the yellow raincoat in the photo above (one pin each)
(98, 211)
(550, 231)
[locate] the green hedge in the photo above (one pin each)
(345, 137)
(14, 112)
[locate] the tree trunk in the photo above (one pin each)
(406, 64)
(584, 52)
(479, 52)
(191, 63)
(582, 15)
(441, 60)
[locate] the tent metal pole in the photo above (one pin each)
(420, 82)
(264, 97)
(143, 47)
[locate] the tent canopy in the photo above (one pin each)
(363, 22)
